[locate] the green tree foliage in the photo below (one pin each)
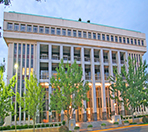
(133, 88)
(69, 89)
(32, 99)
(6, 93)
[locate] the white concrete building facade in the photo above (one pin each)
(37, 43)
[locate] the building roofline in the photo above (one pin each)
(73, 20)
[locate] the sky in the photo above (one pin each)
(129, 14)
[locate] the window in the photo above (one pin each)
(32, 47)
(142, 42)
(103, 36)
(116, 39)
(120, 39)
(112, 38)
(135, 42)
(23, 27)
(41, 29)
(58, 31)
(79, 34)
(74, 33)
(35, 29)
(64, 32)
(69, 32)
(128, 40)
(131, 41)
(29, 28)
(94, 35)
(99, 36)
(138, 42)
(123, 39)
(47, 30)
(23, 55)
(89, 35)
(52, 30)
(16, 27)
(28, 55)
(84, 34)
(9, 26)
(107, 37)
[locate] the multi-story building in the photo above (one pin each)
(38, 43)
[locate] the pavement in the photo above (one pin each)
(121, 128)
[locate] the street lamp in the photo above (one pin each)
(115, 108)
(16, 68)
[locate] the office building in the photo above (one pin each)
(37, 43)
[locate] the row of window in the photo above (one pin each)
(74, 33)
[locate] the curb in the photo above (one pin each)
(119, 128)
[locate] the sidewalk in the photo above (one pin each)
(98, 129)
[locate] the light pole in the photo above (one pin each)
(16, 68)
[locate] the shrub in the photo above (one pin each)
(43, 125)
(56, 125)
(88, 21)
(13, 127)
(30, 126)
(18, 127)
(63, 129)
(38, 126)
(133, 123)
(121, 117)
(25, 126)
(90, 126)
(63, 122)
(103, 124)
(79, 19)
(130, 117)
(77, 128)
(8, 128)
(51, 125)
(59, 124)
(116, 123)
(4, 128)
(47, 125)
(145, 119)
(126, 121)
(126, 117)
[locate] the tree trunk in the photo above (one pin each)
(33, 124)
(133, 115)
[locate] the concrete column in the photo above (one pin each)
(104, 116)
(83, 78)
(93, 86)
(111, 74)
(119, 71)
(72, 55)
(50, 73)
(61, 52)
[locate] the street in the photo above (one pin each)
(133, 129)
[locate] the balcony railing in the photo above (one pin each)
(77, 58)
(44, 76)
(54, 73)
(55, 57)
(87, 77)
(96, 60)
(87, 59)
(122, 61)
(66, 57)
(106, 77)
(105, 60)
(114, 61)
(97, 77)
(43, 56)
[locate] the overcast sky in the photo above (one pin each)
(129, 14)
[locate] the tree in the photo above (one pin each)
(132, 88)
(8, 2)
(6, 94)
(32, 99)
(69, 89)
